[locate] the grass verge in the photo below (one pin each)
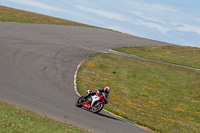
(162, 97)
(181, 55)
(17, 120)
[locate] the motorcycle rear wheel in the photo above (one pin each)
(97, 108)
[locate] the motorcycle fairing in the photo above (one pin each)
(95, 98)
(87, 105)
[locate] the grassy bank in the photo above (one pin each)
(181, 55)
(162, 97)
(16, 120)
(14, 15)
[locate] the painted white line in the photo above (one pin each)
(141, 58)
(111, 50)
(75, 78)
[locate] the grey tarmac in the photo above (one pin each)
(37, 67)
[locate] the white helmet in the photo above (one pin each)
(89, 91)
(106, 89)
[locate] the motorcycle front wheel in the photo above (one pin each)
(79, 102)
(97, 107)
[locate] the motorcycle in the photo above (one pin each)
(94, 103)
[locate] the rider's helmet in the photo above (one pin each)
(106, 89)
(89, 91)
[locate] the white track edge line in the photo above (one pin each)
(75, 78)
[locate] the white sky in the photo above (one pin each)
(173, 21)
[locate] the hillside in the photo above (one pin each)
(8, 14)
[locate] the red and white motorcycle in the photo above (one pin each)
(94, 103)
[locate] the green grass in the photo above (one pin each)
(181, 55)
(17, 120)
(162, 97)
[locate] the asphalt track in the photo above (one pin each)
(37, 67)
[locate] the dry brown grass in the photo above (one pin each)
(15, 15)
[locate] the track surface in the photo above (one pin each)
(37, 67)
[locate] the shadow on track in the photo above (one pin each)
(104, 115)
(110, 117)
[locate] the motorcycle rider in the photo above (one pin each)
(90, 93)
